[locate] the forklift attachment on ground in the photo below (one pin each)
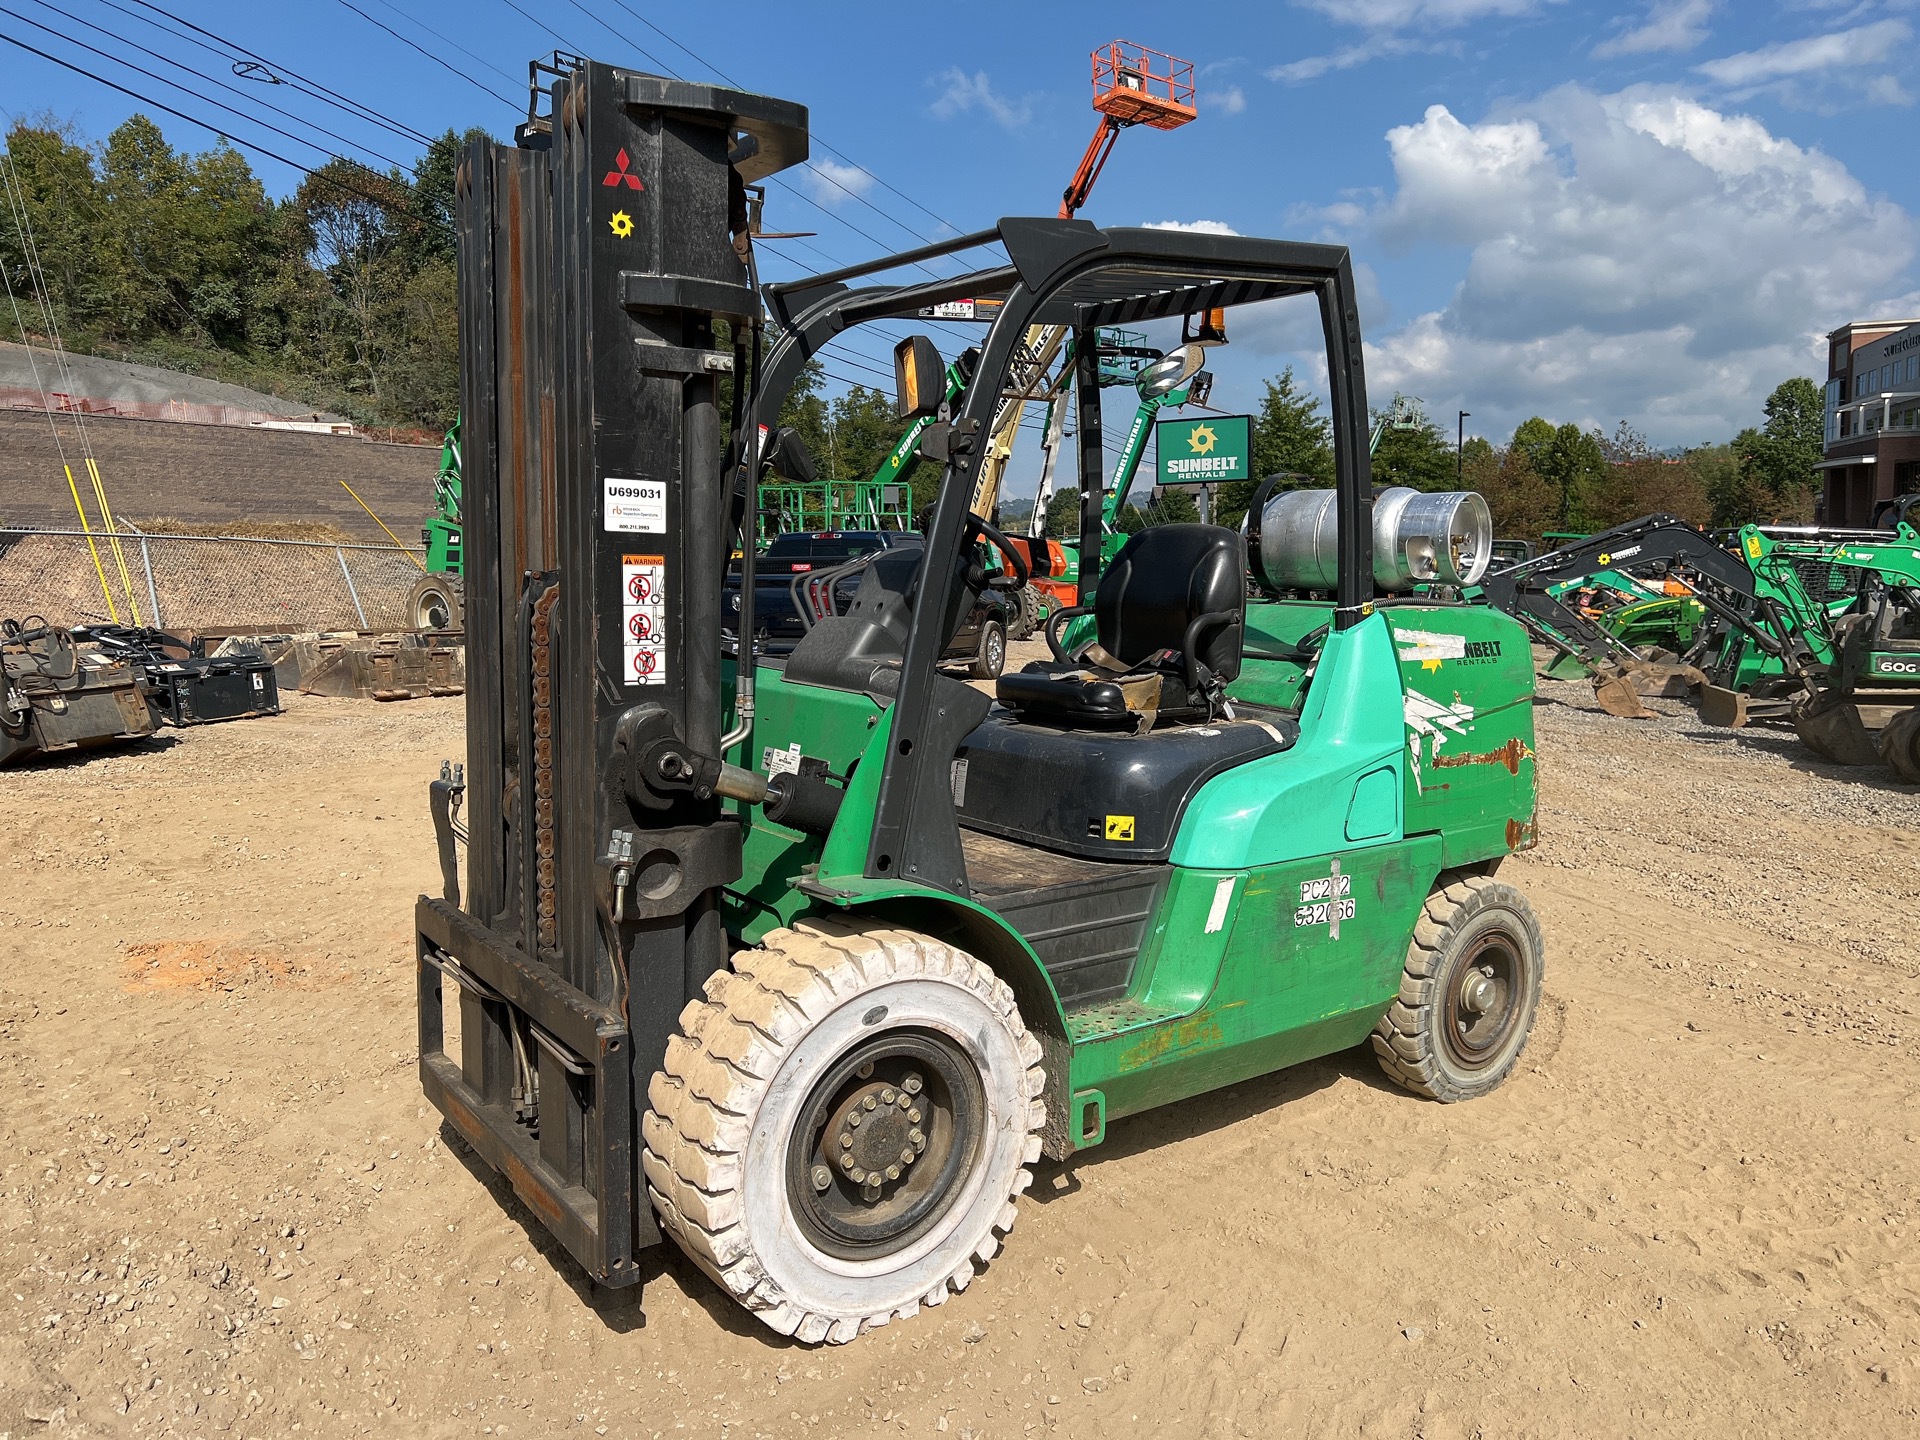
(59, 694)
(367, 665)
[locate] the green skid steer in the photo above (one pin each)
(804, 963)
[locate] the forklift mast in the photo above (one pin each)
(597, 258)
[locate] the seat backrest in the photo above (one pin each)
(1166, 577)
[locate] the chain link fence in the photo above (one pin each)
(190, 582)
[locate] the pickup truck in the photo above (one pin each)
(980, 642)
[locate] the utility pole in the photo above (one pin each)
(1460, 452)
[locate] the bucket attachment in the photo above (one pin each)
(1723, 707)
(1615, 693)
(1836, 733)
(1665, 681)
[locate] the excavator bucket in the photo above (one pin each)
(1723, 707)
(1615, 694)
(1836, 733)
(1665, 682)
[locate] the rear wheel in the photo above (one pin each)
(1468, 992)
(435, 602)
(1900, 745)
(991, 658)
(840, 1128)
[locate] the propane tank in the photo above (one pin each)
(1444, 538)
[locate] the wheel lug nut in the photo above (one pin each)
(886, 1096)
(893, 1172)
(870, 1103)
(917, 1137)
(914, 1115)
(846, 1141)
(912, 1084)
(865, 1072)
(846, 1163)
(860, 1177)
(822, 1177)
(854, 1120)
(904, 1101)
(906, 1156)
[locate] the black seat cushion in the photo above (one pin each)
(1108, 797)
(1162, 581)
(1074, 696)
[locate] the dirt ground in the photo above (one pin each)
(224, 1208)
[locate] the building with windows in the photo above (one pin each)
(1872, 448)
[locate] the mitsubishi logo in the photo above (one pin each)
(621, 172)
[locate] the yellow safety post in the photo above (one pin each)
(113, 537)
(87, 530)
(383, 525)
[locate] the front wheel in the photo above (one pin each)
(991, 658)
(1900, 745)
(1468, 992)
(840, 1128)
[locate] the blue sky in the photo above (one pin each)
(1645, 212)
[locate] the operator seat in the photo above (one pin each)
(1169, 618)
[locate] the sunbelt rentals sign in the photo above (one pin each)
(1204, 452)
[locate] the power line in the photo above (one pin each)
(198, 75)
(258, 149)
(822, 143)
(444, 40)
(151, 75)
(309, 87)
(438, 60)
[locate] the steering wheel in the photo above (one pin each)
(978, 529)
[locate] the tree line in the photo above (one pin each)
(1558, 478)
(342, 296)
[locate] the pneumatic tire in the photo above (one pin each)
(1468, 992)
(841, 1126)
(437, 602)
(1900, 745)
(991, 658)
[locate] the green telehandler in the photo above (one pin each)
(435, 601)
(803, 963)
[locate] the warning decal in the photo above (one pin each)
(643, 619)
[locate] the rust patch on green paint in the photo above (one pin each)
(1510, 755)
(1522, 834)
(1192, 1036)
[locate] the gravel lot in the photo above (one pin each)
(224, 1208)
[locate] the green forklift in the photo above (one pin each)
(804, 963)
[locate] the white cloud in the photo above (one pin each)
(1384, 20)
(1670, 25)
(1312, 67)
(1864, 44)
(1193, 227)
(1401, 14)
(831, 183)
(962, 93)
(1230, 101)
(1637, 255)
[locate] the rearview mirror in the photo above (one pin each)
(919, 379)
(1170, 371)
(788, 458)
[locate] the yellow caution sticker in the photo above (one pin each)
(1753, 546)
(621, 224)
(1119, 827)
